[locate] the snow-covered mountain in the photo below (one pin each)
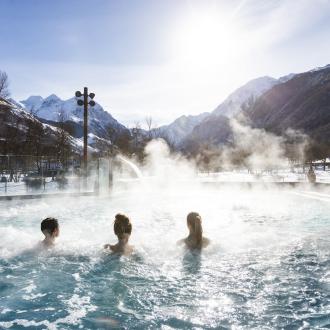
(175, 132)
(54, 109)
(301, 103)
(296, 101)
(320, 68)
(32, 103)
(21, 132)
(286, 77)
(181, 128)
(251, 90)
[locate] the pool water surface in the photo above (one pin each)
(267, 267)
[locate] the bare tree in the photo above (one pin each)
(157, 133)
(111, 133)
(4, 84)
(124, 141)
(10, 133)
(137, 125)
(148, 120)
(136, 133)
(34, 111)
(112, 136)
(35, 136)
(62, 136)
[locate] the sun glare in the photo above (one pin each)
(206, 40)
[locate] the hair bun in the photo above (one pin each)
(122, 225)
(125, 221)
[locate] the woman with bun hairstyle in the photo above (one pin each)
(123, 228)
(195, 239)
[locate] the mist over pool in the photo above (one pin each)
(165, 165)
(267, 266)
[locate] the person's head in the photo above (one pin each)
(194, 223)
(50, 227)
(122, 226)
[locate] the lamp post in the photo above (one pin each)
(85, 103)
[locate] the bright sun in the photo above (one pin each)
(206, 39)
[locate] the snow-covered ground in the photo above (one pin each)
(278, 176)
(74, 185)
(20, 188)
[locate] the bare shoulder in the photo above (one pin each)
(113, 248)
(129, 250)
(109, 247)
(206, 242)
(126, 251)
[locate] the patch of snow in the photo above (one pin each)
(32, 102)
(320, 68)
(254, 88)
(180, 128)
(287, 77)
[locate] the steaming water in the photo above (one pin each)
(135, 169)
(267, 266)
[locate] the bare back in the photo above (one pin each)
(120, 249)
(193, 244)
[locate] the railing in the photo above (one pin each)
(15, 180)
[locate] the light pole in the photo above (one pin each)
(85, 103)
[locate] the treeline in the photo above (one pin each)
(21, 134)
(129, 142)
(229, 156)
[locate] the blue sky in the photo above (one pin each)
(157, 58)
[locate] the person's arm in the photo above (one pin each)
(110, 247)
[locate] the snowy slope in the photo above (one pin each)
(17, 113)
(54, 109)
(254, 88)
(32, 103)
(180, 128)
(295, 101)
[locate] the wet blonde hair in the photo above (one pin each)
(194, 222)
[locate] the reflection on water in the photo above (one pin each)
(192, 261)
(267, 267)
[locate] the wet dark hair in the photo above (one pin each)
(122, 225)
(49, 225)
(194, 221)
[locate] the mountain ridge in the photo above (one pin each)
(207, 127)
(300, 103)
(53, 109)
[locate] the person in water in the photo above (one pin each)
(50, 228)
(195, 239)
(123, 228)
(311, 176)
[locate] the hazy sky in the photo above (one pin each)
(159, 58)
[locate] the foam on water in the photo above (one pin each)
(267, 266)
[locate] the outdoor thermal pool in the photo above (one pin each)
(268, 266)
